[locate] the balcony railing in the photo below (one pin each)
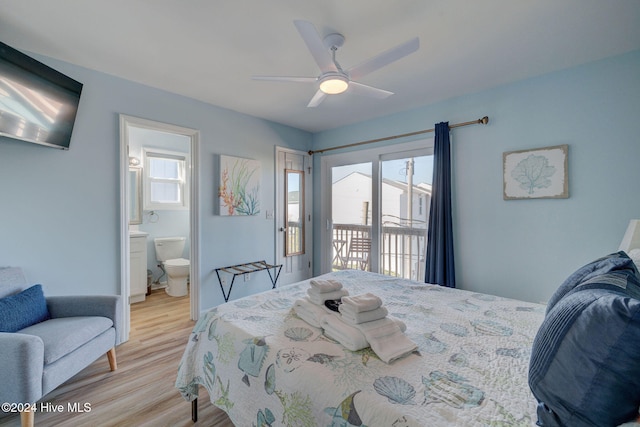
(294, 240)
(402, 253)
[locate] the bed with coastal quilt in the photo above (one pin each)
(265, 366)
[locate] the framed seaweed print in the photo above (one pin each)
(536, 173)
(239, 189)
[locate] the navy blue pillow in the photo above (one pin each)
(584, 368)
(22, 310)
(618, 262)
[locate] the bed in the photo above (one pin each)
(264, 365)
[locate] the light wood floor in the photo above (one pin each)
(141, 391)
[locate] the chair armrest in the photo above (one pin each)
(21, 365)
(87, 305)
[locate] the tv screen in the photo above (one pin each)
(37, 103)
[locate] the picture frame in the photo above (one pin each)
(239, 186)
(540, 173)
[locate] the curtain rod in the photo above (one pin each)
(483, 121)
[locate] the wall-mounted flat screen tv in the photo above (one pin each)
(37, 103)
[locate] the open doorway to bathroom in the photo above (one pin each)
(159, 216)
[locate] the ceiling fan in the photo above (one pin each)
(333, 79)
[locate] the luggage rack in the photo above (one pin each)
(246, 268)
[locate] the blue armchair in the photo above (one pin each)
(74, 332)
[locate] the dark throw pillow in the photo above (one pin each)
(584, 368)
(23, 309)
(615, 262)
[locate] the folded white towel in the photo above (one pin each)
(363, 302)
(319, 298)
(381, 328)
(323, 286)
(310, 312)
(386, 338)
(350, 337)
(351, 317)
(393, 347)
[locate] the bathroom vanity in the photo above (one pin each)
(138, 265)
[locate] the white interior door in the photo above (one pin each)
(293, 215)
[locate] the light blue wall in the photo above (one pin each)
(60, 214)
(60, 209)
(525, 249)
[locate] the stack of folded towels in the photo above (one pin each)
(311, 308)
(362, 320)
(322, 290)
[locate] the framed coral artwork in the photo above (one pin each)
(536, 174)
(239, 188)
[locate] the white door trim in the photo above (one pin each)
(279, 209)
(194, 220)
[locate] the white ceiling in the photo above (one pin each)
(209, 49)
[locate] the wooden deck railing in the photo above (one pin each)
(402, 253)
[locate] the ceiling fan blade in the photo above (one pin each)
(373, 92)
(286, 79)
(384, 58)
(315, 45)
(317, 99)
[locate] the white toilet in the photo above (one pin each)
(169, 253)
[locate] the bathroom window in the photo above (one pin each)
(165, 183)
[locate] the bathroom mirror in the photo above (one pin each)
(135, 195)
(294, 212)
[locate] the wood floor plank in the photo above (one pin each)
(141, 391)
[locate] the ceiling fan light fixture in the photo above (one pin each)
(334, 84)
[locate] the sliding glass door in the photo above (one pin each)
(351, 190)
(404, 205)
(378, 215)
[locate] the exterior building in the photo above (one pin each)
(404, 217)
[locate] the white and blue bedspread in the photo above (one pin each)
(263, 365)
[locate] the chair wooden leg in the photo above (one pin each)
(111, 355)
(26, 418)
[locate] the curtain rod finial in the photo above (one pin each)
(484, 120)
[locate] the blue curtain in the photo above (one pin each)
(440, 268)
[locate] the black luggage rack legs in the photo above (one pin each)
(246, 268)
